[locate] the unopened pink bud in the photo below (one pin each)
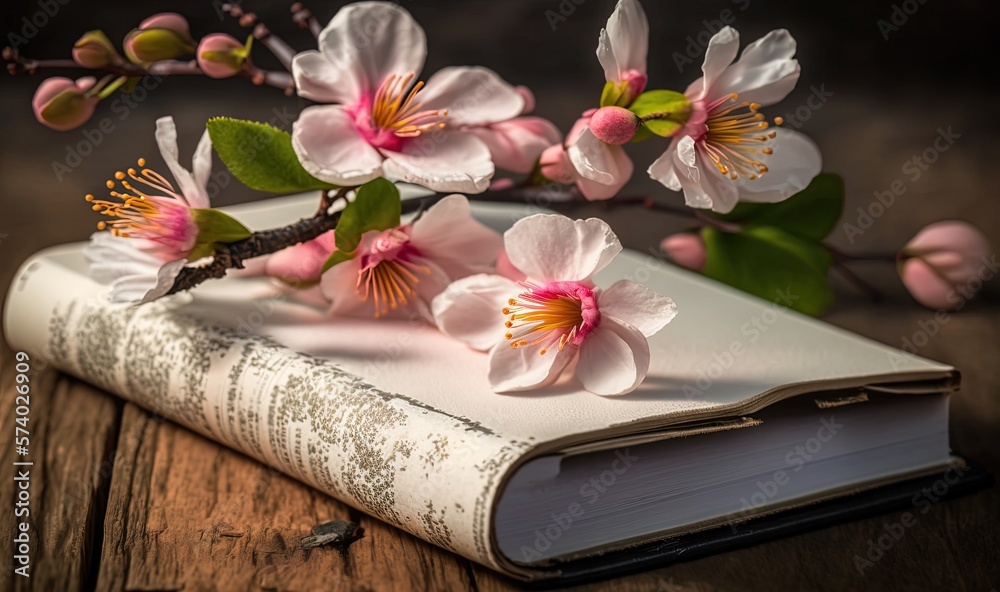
(164, 36)
(614, 125)
(94, 50)
(685, 249)
(62, 104)
(635, 83)
(221, 56)
(945, 264)
(170, 21)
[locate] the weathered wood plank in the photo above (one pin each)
(185, 513)
(72, 428)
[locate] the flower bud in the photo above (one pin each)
(221, 56)
(162, 36)
(94, 50)
(685, 249)
(62, 104)
(943, 265)
(614, 125)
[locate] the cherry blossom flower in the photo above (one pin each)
(536, 328)
(725, 153)
(382, 121)
(607, 170)
(402, 269)
(152, 228)
(943, 262)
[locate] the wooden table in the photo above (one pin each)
(126, 502)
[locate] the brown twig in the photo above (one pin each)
(303, 17)
(278, 47)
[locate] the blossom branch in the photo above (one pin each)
(303, 17)
(278, 47)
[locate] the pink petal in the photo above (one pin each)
(614, 359)
(721, 52)
(624, 43)
(765, 72)
(472, 96)
(321, 80)
(470, 309)
(167, 20)
(550, 247)
(442, 162)
(366, 42)
(928, 287)
(339, 286)
(524, 368)
(302, 262)
(449, 235)
(636, 305)
(330, 147)
(516, 144)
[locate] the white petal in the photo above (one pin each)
(470, 309)
(330, 147)
(433, 282)
(319, 79)
(164, 281)
(614, 359)
(339, 286)
(624, 43)
(442, 162)
(636, 305)
(368, 41)
(166, 139)
(721, 52)
(201, 165)
(598, 161)
(765, 72)
(796, 160)
(516, 144)
(472, 96)
(449, 235)
(524, 368)
(663, 170)
(551, 247)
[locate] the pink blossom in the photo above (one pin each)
(943, 262)
(402, 269)
(725, 153)
(607, 168)
(536, 328)
(221, 55)
(381, 120)
(686, 249)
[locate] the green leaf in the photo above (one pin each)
(261, 156)
(336, 258)
(811, 213)
(669, 110)
(215, 226)
(773, 264)
(613, 94)
(376, 206)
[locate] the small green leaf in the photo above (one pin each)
(642, 134)
(811, 213)
(667, 110)
(770, 263)
(613, 94)
(375, 207)
(215, 226)
(336, 258)
(261, 156)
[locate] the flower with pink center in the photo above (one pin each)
(381, 120)
(945, 264)
(152, 225)
(400, 270)
(537, 327)
(726, 152)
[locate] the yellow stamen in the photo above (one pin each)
(736, 139)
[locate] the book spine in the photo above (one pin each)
(387, 455)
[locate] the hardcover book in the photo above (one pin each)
(749, 412)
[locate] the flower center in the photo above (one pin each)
(736, 139)
(165, 219)
(395, 108)
(390, 272)
(551, 315)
